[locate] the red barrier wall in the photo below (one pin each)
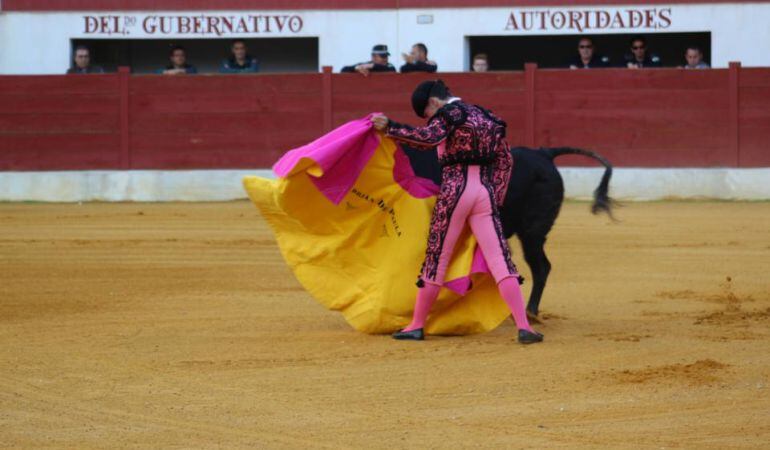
(649, 118)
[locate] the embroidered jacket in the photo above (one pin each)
(470, 134)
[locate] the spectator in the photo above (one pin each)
(240, 61)
(638, 58)
(586, 57)
(480, 63)
(82, 62)
(378, 63)
(177, 62)
(417, 60)
(694, 58)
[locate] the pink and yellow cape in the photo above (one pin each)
(351, 219)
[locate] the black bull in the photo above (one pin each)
(532, 202)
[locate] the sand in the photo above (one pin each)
(179, 326)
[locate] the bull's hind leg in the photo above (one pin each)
(534, 254)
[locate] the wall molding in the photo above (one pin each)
(629, 184)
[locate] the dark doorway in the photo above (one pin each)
(147, 56)
(511, 52)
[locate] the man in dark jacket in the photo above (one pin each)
(639, 58)
(586, 57)
(83, 62)
(239, 61)
(378, 63)
(177, 63)
(417, 60)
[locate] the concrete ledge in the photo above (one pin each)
(220, 185)
(120, 186)
(658, 184)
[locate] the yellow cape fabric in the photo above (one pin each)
(362, 257)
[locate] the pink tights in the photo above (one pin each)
(474, 207)
(509, 290)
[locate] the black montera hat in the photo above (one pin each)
(426, 90)
(380, 49)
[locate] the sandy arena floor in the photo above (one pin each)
(179, 326)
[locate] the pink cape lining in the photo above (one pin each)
(342, 154)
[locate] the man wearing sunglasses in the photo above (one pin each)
(586, 57)
(639, 58)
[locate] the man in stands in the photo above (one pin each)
(586, 57)
(177, 63)
(417, 60)
(638, 58)
(83, 62)
(239, 61)
(378, 63)
(480, 63)
(694, 57)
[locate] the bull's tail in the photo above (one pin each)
(602, 200)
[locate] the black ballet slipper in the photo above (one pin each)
(414, 335)
(529, 337)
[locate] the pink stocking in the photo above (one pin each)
(511, 293)
(426, 295)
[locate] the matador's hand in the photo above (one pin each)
(380, 122)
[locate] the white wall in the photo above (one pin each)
(217, 185)
(38, 43)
